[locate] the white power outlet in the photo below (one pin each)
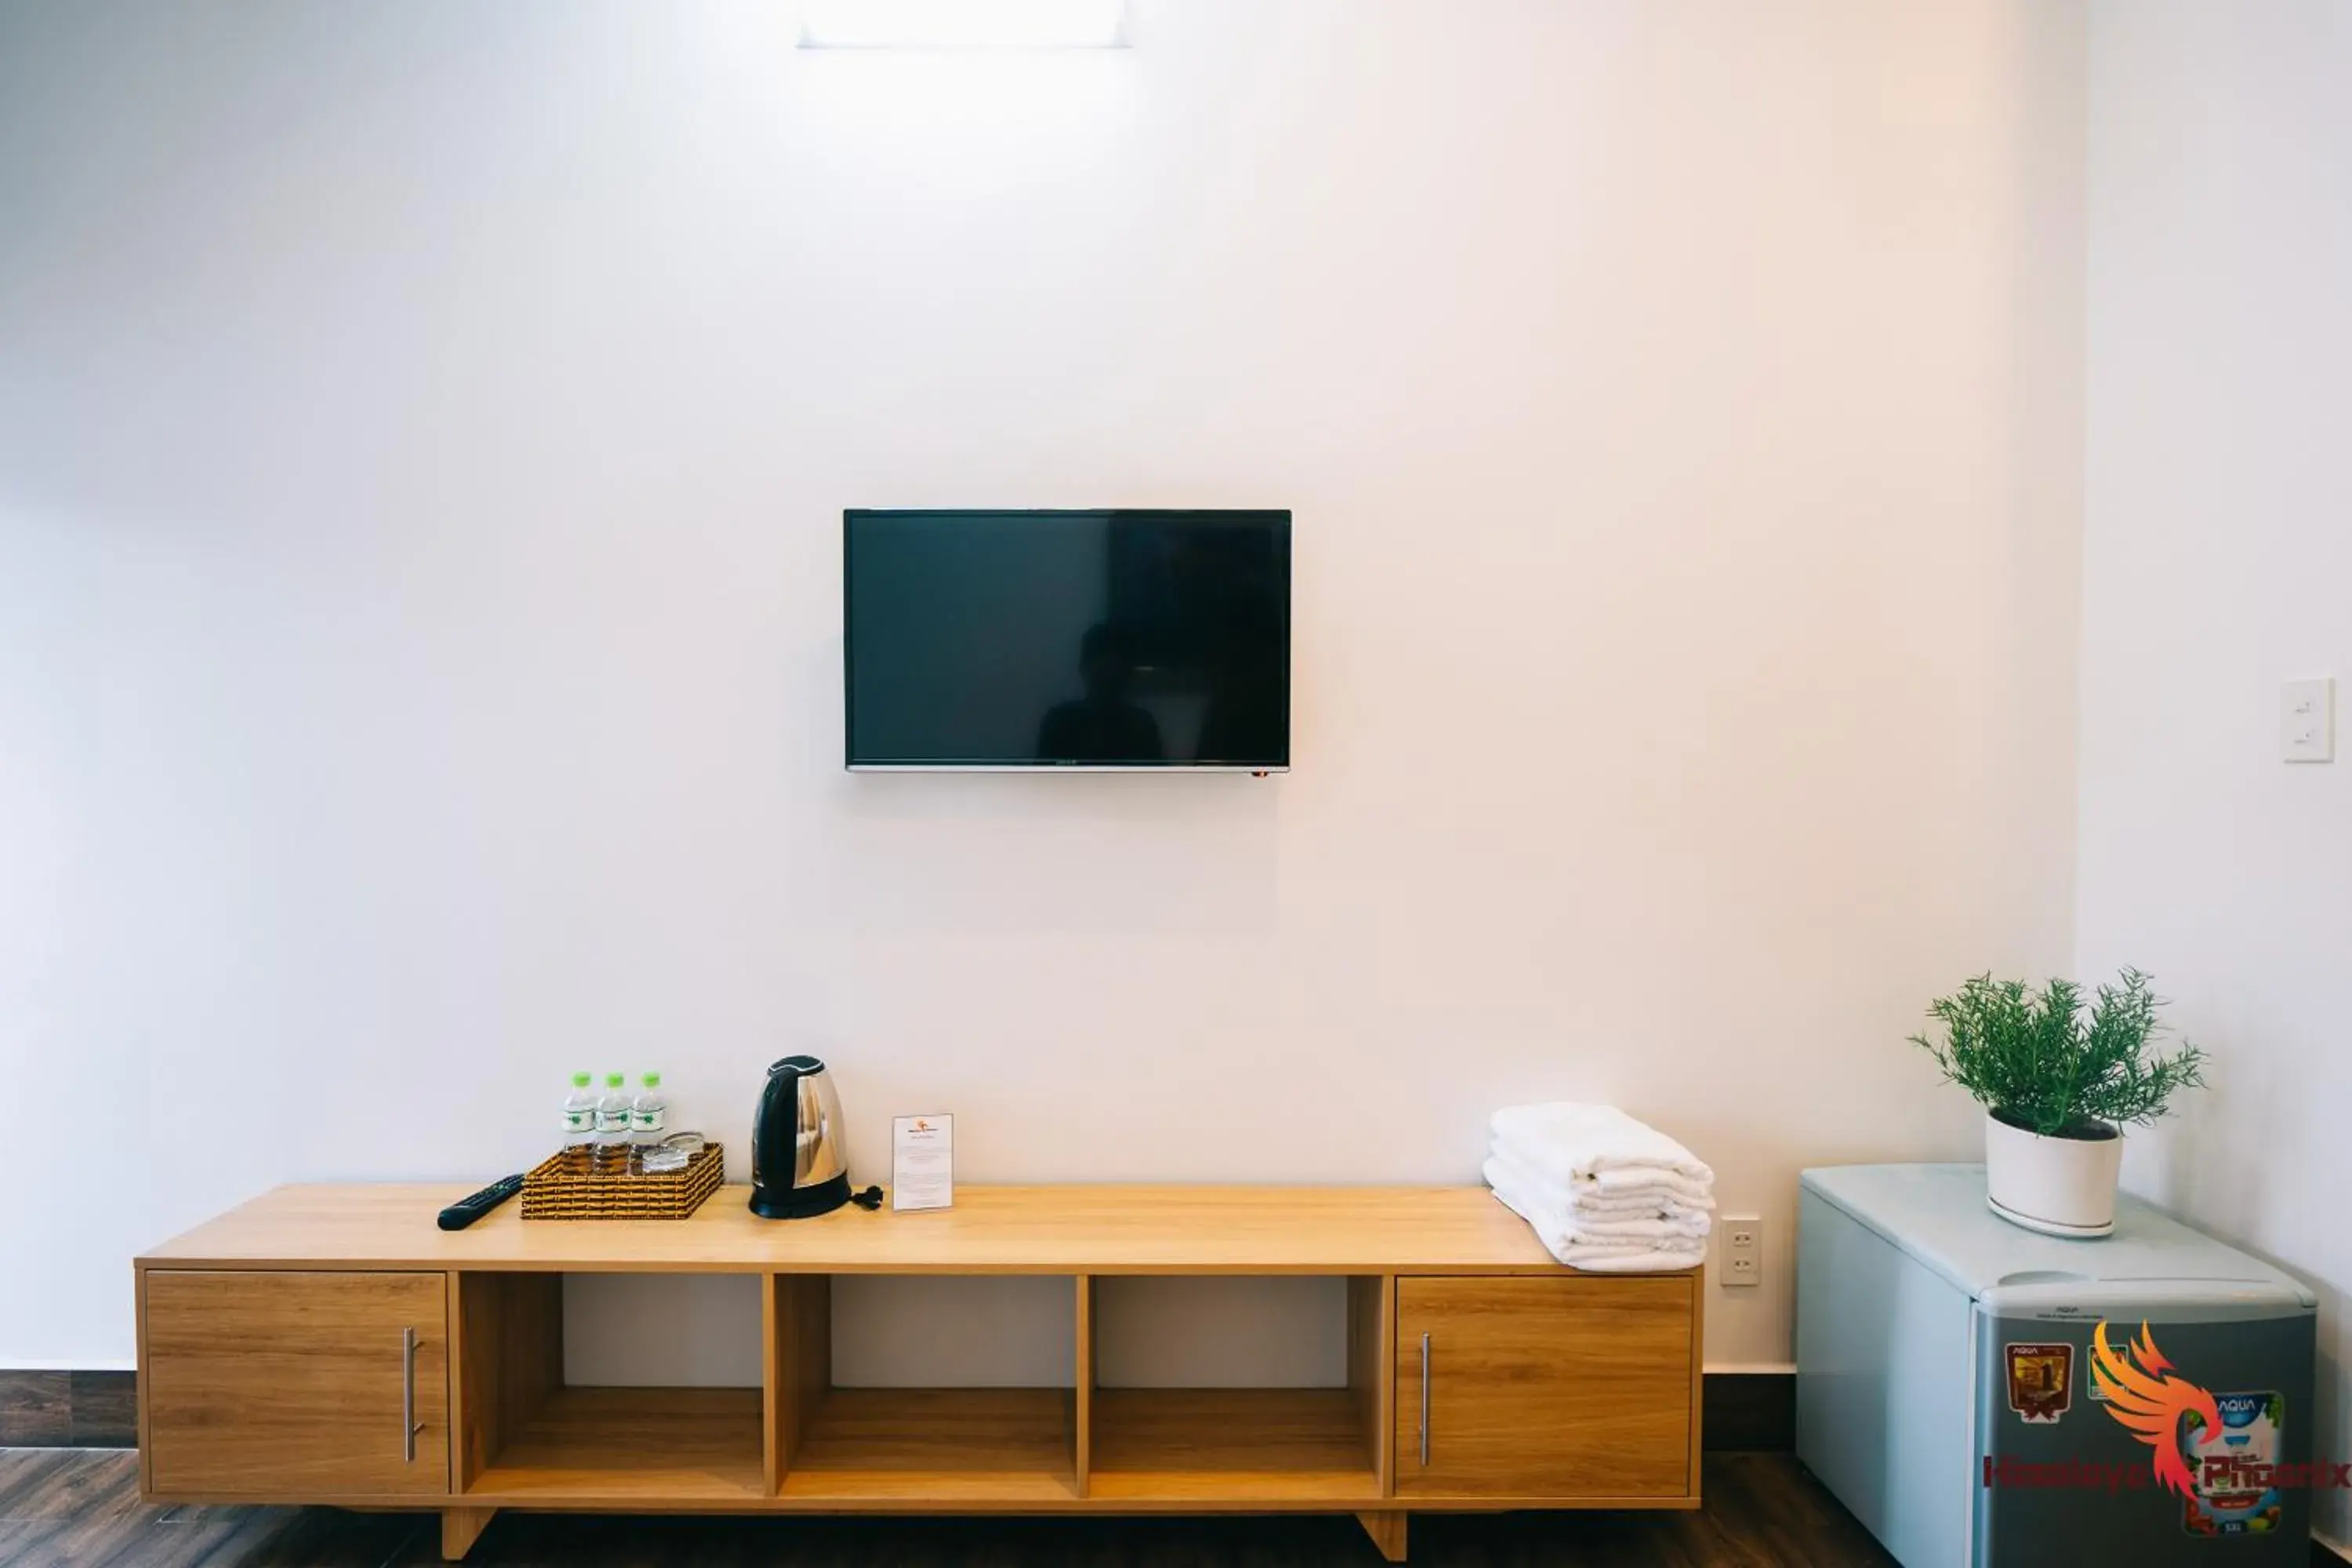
(1743, 1249)
(2307, 721)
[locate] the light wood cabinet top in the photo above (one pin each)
(1067, 1229)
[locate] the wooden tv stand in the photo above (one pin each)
(328, 1345)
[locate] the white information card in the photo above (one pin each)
(922, 1162)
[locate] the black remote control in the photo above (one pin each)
(467, 1210)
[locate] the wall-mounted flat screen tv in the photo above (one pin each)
(1067, 639)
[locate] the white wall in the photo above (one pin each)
(2218, 553)
(423, 433)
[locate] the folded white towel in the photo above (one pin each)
(1663, 1261)
(1694, 1228)
(1591, 1215)
(1592, 1202)
(1567, 1142)
(1664, 1191)
(1653, 1179)
(1602, 1258)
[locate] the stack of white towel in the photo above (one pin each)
(1605, 1192)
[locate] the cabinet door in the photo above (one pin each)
(296, 1386)
(1552, 1388)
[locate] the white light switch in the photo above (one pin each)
(2307, 721)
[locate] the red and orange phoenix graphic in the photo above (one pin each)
(2149, 1400)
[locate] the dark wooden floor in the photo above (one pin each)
(80, 1507)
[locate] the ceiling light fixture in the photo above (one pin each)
(963, 24)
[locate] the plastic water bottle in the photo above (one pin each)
(579, 1115)
(612, 1144)
(649, 1113)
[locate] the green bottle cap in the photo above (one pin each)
(580, 1080)
(653, 1080)
(615, 1079)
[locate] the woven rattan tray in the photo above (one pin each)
(564, 1186)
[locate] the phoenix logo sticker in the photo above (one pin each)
(2142, 1392)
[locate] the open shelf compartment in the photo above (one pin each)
(997, 1446)
(526, 1438)
(525, 1435)
(1247, 1445)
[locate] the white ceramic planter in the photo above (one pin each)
(2060, 1186)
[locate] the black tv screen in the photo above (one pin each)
(1067, 639)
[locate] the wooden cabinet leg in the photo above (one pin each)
(1387, 1530)
(461, 1527)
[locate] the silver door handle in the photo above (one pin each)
(1424, 1402)
(409, 1424)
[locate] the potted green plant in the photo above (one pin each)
(2058, 1090)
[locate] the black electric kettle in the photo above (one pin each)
(799, 1164)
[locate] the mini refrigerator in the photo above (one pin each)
(1943, 1387)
